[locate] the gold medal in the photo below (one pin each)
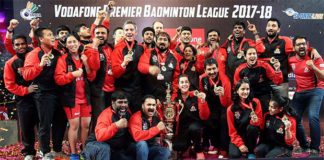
(239, 55)
(130, 52)
(272, 60)
(215, 89)
(284, 119)
(50, 55)
(163, 68)
(196, 92)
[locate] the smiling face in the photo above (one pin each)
(272, 29)
(62, 35)
(101, 34)
(243, 91)
(211, 71)
(251, 56)
(185, 37)
(158, 27)
(162, 43)
(188, 53)
(238, 31)
(274, 109)
(149, 107)
(84, 33)
(120, 106)
(72, 44)
(301, 47)
(213, 37)
(20, 45)
(119, 34)
(148, 37)
(184, 84)
(130, 32)
(47, 39)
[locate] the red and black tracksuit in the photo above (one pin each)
(261, 76)
(190, 123)
(155, 86)
(279, 48)
(273, 142)
(216, 126)
(242, 130)
(107, 131)
(74, 89)
(143, 129)
(49, 109)
(229, 61)
(128, 79)
(27, 112)
(193, 69)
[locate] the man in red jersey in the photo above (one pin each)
(309, 95)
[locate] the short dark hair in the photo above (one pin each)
(148, 29)
(77, 29)
(164, 34)
(100, 26)
(276, 20)
(62, 28)
(156, 22)
(299, 37)
(186, 28)
(39, 32)
(250, 47)
(18, 36)
(183, 75)
(115, 30)
(118, 95)
(210, 61)
(213, 30)
(192, 48)
(147, 97)
(240, 23)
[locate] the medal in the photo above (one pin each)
(284, 119)
(130, 52)
(239, 55)
(163, 68)
(196, 92)
(50, 55)
(160, 77)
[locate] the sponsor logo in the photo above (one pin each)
(28, 13)
(292, 13)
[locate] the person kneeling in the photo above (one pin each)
(144, 127)
(111, 139)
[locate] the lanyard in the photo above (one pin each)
(129, 47)
(241, 44)
(247, 106)
(215, 55)
(212, 82)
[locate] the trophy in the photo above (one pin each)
(169, 110)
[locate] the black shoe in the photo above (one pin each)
(302, 150)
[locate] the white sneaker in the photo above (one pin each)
(29, 157)
(48, 156)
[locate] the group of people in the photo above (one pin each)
(228, 96)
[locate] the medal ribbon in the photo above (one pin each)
(185, 66)
(212, 82)
(215, 55)
(248, 106)
(130, 47)
(161, 58)
(241, 44)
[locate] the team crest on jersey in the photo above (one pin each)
(145, 126)
(193, 109)
(228, 49)
(268, 123)
(182, 66)
(171, 65)
(280, 130)
(277, 50)
(154, 58)
(102, 57)
(206, 87)
(293, 66)
(237, 115)
(70, 68)
(19, 71)
(306, 70)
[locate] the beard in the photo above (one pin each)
(162, 49)
(274, 34)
